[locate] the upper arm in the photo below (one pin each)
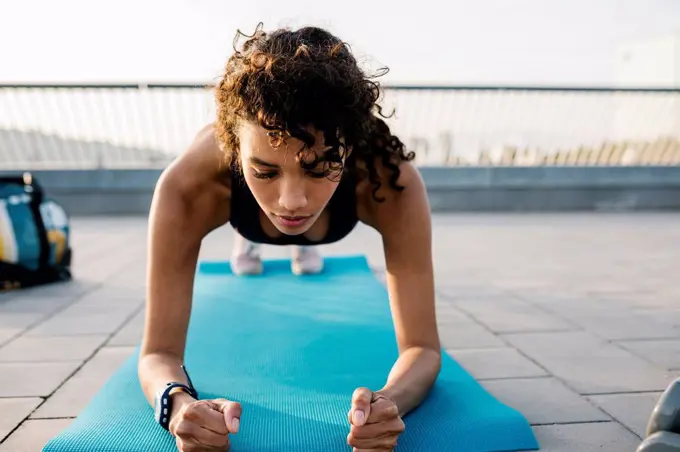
(404, 222)
(187, 204)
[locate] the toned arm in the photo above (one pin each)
(190, 200)
(404, 223)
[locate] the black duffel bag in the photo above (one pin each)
(35, 246)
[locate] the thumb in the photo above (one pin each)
(361, 406)
(232, 413)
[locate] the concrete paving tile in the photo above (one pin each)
(482, 293)
(522, 286)
(656, 299)
(6, 295)
(114, 292)
(34, 305)
(663, 353)
(448, 315)
(669, 315)
(135, 284)
(590, 437)
(73, 288)
(74, 395)
(82, 323)
(496, 363)
(114, 307)
(32, 435)
(8, 333)
(467, 335)
(50, 349)
(13, 411)
(33, 379)
(19, 320)
(614, 321)
(514, 316)
(544, 401)
(132, 333)
(587, 363)
(631, 410)
(553, 296)
(627, 326)
(104, 269)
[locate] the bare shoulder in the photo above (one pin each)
(200, 166)
(395, 198)
(200, 177)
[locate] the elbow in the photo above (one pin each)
(430, 357)
(434, 351)
(437, 360)
(434, 360)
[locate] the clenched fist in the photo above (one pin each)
(204, 425)
(375, 424)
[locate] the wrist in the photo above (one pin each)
(180, 399)
(389, 394)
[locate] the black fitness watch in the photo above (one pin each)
(163, 399)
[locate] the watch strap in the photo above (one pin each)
(164, 402)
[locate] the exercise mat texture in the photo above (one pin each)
(292, 349)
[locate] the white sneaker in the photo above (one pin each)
(306, 261)
(246, 258)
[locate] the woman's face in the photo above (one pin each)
(291, 197)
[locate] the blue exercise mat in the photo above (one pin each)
(292, 350)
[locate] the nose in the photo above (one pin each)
(292, 196)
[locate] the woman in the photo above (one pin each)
(297, 156)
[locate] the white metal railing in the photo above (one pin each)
(145, 126)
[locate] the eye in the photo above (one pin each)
(264, 174)
(317, 174)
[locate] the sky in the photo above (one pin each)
(568, 42)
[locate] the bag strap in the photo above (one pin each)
(36, 201)
(16, 180)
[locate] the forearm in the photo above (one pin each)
(412, 377)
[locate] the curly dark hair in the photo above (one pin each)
(290, 80)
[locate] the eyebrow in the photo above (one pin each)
(261, 162)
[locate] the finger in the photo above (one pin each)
(382, 410)
(369, 431)
(205, 437)
(179, 442)
(383, 443)
(204, 414)
(193, 445)
(361, 406)
(231, 412)
(185, 435)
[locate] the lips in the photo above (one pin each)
(292, 221)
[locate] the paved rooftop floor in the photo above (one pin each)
(573, 319)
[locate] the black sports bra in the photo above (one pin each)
(245, 213)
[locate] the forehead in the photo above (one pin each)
(256, 141)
